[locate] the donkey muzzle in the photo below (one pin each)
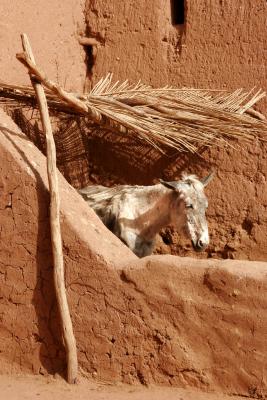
(199, 245)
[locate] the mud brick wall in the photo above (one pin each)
(221, 44)
(162, 320)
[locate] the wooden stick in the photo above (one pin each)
(85, 41)
(69, 98)
(40, 75)
(256, 114)
(69, 339)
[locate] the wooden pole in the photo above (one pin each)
(69, 339)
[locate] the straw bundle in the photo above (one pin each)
(184, 119)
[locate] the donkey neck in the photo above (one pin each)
(157, 214)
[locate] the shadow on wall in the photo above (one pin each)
(142, 164)
(87, 155)
(51, 353)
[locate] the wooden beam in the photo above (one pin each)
(69, 339)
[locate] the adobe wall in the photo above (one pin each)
(162, 320)
(29, 326)
(52, 27)
(221, 45)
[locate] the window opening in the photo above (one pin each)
(178, 12)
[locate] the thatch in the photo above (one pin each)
(184, 119)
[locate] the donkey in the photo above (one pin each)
(137, 213)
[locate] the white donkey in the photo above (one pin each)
(137, 213)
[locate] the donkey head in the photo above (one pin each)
(192, 204)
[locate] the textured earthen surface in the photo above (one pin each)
(162, 319)
(221, 45)
(12, 387)
(25, 253)
(53, 28)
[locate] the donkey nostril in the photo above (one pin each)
(200, 243)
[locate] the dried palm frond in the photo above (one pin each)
(184, 119)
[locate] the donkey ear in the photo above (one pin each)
(208, 178)
(169, 185)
